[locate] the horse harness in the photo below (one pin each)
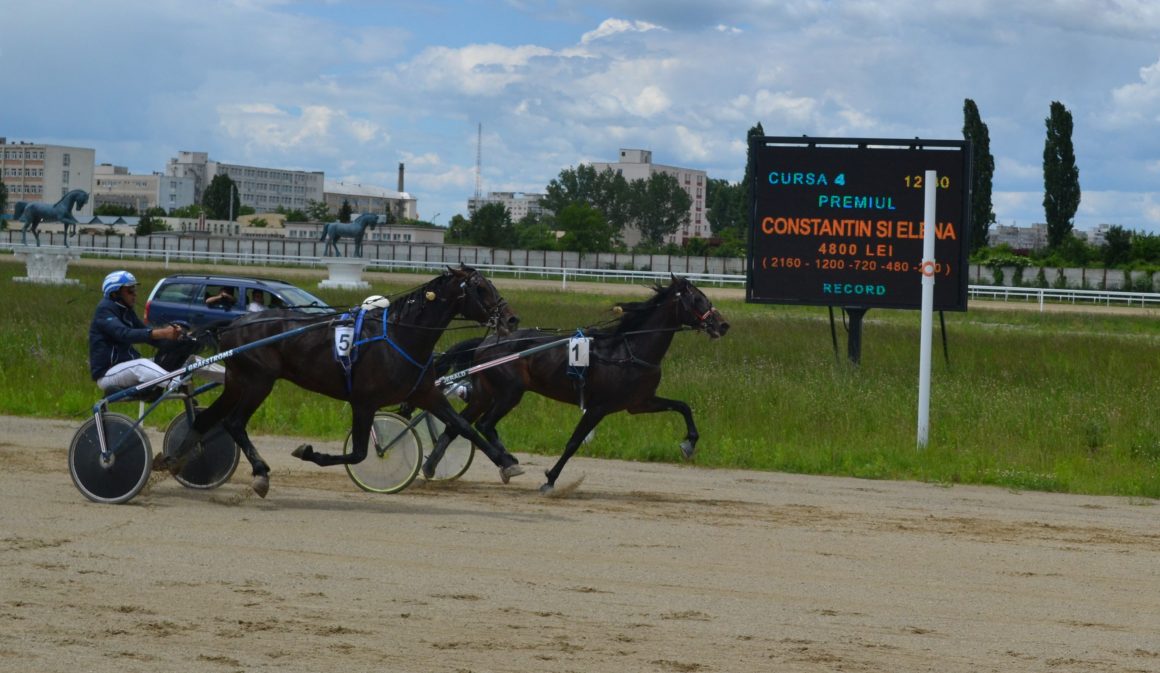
(346, 345)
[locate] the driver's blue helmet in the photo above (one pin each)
(117, 280)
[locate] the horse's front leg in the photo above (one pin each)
(587, 424)
(651, 406)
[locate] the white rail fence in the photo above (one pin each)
(667, 265)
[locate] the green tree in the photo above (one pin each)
(1061, 192)
(221, 198)
(606, 191)
(754, 131)
(3, 197)
(345, 211)
(458, 229)
(491, 226)
(982, 174)
(660, 206)
(316, 211)
(191, 211)
(1146, 247)
(246, 210)
(535, 233)
(728, 207)
(1117, 248)
(114, 210)
(585, 229)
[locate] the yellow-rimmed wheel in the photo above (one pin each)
(456, 459)
(393, 456)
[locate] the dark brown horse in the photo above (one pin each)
(623, 373)
(393, 365)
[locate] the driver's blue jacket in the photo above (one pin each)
(114, 330)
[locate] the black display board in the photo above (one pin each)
(838, 222)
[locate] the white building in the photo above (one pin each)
(1019, 238)
(263, 189)
(519, 204)
(371, 199)
(35, 172)
(638, 165)
(116, 185)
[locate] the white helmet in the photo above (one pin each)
(117, 280)
(375, 301)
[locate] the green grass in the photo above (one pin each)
(1030, 401)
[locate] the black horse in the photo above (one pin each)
(393, 365)
(623, 373)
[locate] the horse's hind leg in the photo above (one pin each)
(651, 406)
(475, 406)
(235, 424)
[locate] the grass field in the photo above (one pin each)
(1036, 401)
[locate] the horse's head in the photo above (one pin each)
(480, 301)
(695, 309)
(81, 199)
(368, 220)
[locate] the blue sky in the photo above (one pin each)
(355, 87)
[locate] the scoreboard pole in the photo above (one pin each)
(926, 333)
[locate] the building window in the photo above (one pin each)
(66, 159)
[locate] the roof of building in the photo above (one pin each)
(356, 189)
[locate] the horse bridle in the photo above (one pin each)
(701, 318)
(473, 282)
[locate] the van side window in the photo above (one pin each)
(177, 292)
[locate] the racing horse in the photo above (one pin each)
(332, 231)
(393, 364)
(32, 214)
(623, 373)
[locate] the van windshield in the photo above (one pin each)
(301, 300)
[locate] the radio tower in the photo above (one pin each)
(479, 164)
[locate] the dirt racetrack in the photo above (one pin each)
(643, 568)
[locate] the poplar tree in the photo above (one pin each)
(982, 174)
(1060, 176)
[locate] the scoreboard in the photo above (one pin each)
(839, 222)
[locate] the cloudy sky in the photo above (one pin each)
(354, 87)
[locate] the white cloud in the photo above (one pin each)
(1139, 102)
(610, 27)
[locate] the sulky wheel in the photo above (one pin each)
(456, 459)
(393, 456)
(209, 464)
(124, 473)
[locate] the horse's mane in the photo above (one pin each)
(636, 313)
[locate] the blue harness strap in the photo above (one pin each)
(347, 362)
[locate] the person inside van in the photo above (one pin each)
(224, 299)
(257, 301)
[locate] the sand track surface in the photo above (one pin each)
(644, 567)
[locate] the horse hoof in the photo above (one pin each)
(547, 489)
(303, 452)
(688, 448)
(506, 473)
(261, 485)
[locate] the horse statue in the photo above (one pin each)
(332, 231)
(623, 373)
(32, 214)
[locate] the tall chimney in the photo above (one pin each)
(401, 177)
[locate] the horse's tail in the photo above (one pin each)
(325, 231)
(458, 357)
(18, 209)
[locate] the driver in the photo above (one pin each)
(113, 361)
